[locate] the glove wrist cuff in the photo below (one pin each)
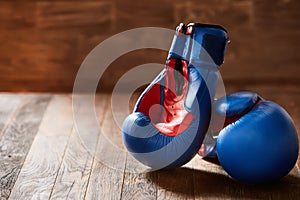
(199, 44)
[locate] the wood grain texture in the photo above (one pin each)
(106, 180)
(38, 174)
(8, 106)
(24, 18)
(175, 184)
(107, 175)
(66, 14)
(138, 184)
(17, 139)
(73, 175)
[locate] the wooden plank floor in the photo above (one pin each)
(43, 157)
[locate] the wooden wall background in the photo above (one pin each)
(42, 43)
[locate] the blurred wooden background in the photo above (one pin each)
(44, 42)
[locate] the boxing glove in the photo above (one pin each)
(171, 116)
(259, 142)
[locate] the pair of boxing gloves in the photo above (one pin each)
(254, 139)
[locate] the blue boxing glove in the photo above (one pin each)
(259, 142)
(172, 115)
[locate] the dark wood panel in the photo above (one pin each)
(44, 42)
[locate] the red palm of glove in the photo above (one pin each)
(169, 117)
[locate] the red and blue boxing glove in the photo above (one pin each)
(259, 141)
(172, 115)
